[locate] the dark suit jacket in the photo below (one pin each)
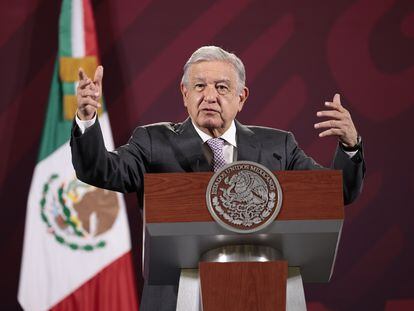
(170, 147)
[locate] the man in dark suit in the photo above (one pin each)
(214, 91)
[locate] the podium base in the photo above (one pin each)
(189, 291)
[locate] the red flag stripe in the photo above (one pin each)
(89, 28)
(118, 280)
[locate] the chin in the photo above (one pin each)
(211, 123)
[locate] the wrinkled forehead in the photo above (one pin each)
(213, 70)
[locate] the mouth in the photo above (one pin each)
(209, 110)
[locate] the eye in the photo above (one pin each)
(222, 88)
(199, 86)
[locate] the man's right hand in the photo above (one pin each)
(88, 94)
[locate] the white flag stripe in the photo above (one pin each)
(78, 32)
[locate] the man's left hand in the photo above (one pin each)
(340, 123)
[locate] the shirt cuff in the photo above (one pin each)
(84, 124)
(351, 153)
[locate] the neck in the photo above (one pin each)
(213, 132)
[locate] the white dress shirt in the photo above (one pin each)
(230, 144)
(84, 124)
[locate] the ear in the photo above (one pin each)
(243, 97)
(184, 92)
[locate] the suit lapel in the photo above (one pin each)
(189, 148)
(248, 148)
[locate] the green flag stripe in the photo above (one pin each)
(65, 29)
(68, 88)
(56, 130)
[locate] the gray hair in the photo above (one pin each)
(215, 53)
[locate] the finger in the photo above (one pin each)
(88, 107)
(331, 114)
(84, 83)
(98, 75)
(88, 92)
(331, 132)
(337, 99)
(92, 86)
(87, 101)
(329, 123)
(82, 74)
(96, 90)
(336, 103)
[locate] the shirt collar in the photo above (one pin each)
(229, 136)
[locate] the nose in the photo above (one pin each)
(210, 94)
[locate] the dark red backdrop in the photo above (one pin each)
(297, 54)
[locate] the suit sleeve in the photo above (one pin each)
(353, 172)
(119, 170)
(296, 158)
(353, 169)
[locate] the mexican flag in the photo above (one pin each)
(77, 251)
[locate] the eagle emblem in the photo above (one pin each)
(244, 196)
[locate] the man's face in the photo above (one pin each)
(212, 97)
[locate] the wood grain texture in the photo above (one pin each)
(180, 197)
(243, 286)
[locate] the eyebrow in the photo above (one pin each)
(228, 81)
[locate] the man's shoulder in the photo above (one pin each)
(264, 130)
(163, 127)
(267, 136)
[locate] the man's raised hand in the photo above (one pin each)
(340, 123)
(88, 94)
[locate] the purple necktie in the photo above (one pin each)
(216, 145)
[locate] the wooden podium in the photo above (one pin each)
(178, 230)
